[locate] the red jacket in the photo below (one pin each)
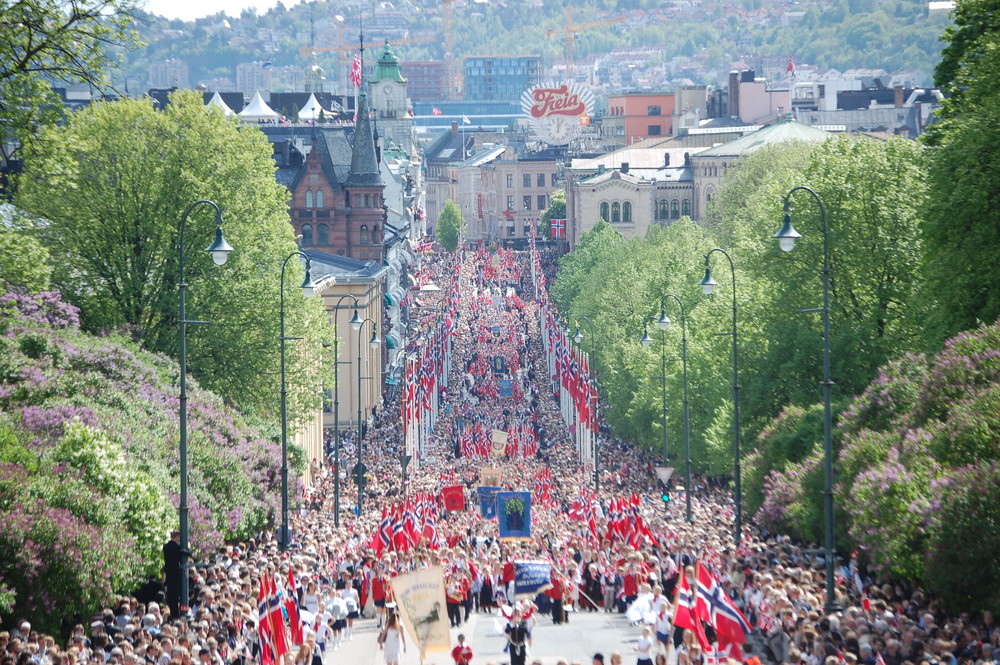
(462, 655)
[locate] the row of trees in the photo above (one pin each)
(916, 428)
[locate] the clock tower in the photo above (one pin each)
(389, 103)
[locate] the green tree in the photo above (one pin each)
(449, 226)
(114, 225)
(962, 225)
(48, 40)
(24, 262)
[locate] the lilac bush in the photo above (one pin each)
(89, 477)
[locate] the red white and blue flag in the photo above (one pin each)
(558, 228)
(355, 74)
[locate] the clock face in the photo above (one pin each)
(559, 128)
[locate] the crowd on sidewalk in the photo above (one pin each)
(337, 575)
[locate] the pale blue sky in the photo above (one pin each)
(192, 9)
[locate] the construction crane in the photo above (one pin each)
(570, 31)
(423, 39)
(452, 70)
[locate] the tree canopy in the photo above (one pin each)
(48, 40)
(108, 190)
(449, 225)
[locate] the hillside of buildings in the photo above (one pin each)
(678, 41)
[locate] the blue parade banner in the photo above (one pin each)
(506, 388)
(499, 365)
(531, 577)
(488, 501)
(514, 514)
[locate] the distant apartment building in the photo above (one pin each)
(500, 77)
(636, 116)
(253, 76)
(427, 80)
(169, 74)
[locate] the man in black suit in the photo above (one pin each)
(172, 572)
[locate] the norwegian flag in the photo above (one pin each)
(435, 110)
(384, 532)
(791, 67)
(275, 619)
(355, 74)
(410, 523)
(714, 657)
(263, 626)
(292, 608)
(430, 530)
(879, 660)
(729, 623)
(558, 228)
(684, 615)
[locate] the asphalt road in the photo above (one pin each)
(584, 635)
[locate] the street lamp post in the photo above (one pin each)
(355, 324)
(708, 284)
(219, 250)
(307, 286)
(578, 338)
(787, 236)
(663, 322)
(359, 469)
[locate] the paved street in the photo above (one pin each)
(585, 634)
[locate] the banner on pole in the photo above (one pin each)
(514, 515)
(454, 498)
(531, 577)
(421, 601)
(499, 442)
(488, 501)
(490, 477)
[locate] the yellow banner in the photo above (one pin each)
(490, 477)
(499, 442)
(421, 601)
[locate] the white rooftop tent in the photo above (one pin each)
(258, 110)
(312, 109)
(217, 100)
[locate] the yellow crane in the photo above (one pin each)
(570, 31)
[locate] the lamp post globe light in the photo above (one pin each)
(219, 250)
(664, 322)
(355, 325)
(307, 286)
(708, 285)
(787, 235)
(578, 338)
(359, 469)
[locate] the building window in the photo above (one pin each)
(653, 110)
(653, 130)
(552, 179)
(319, 198)
(510, 231)
(541, 202)
(526, 179)
(616, 212)
(527, 229)
(322, 234)
(368, 200)
(313, 179)
(604, 211)
(675, 209)
(664, 211)
(309, 199)
(510, 180)
(527, 202)
(686, 205)
(307, 235)
(627, 212)
(510, 202)
(540, 179)
(357, 200)
(364, 234)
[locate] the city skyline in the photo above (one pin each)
(188, 10)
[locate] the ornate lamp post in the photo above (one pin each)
(663, 322)
(219, 250)
(787, 236)
(307, 286)
(355, 324)
(707, 285)
(359, 469)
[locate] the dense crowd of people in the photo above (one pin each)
(337, 576)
